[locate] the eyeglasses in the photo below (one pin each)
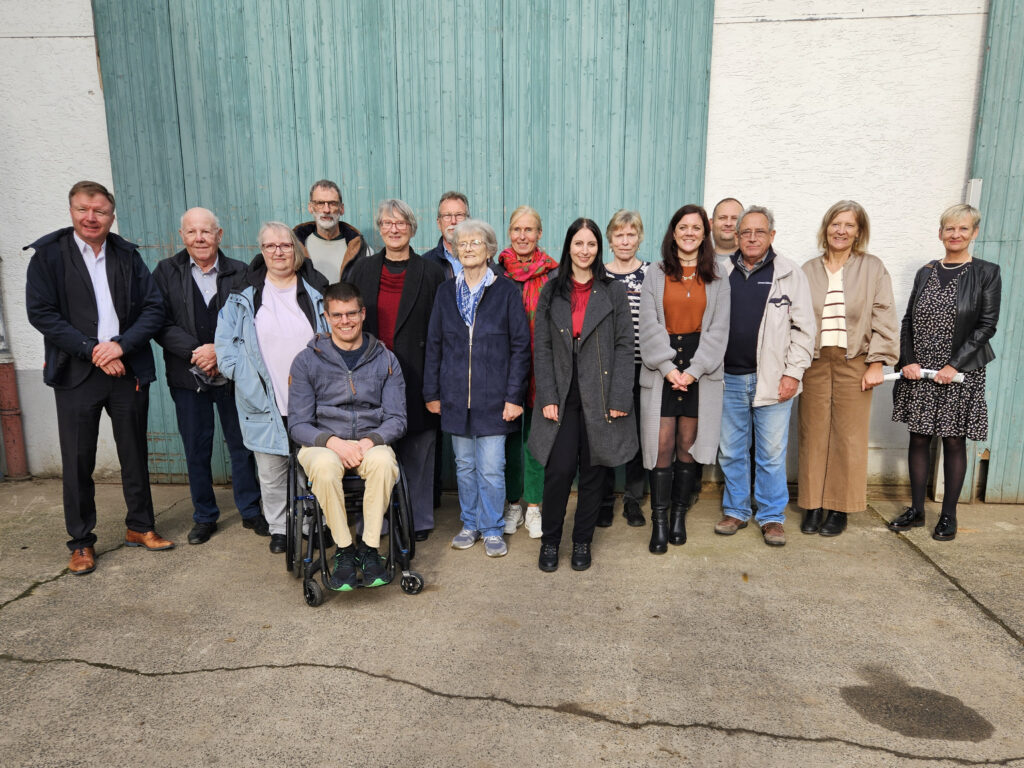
(466, 245)
(345, 315)
(757, 234)
(401, 226)
(451, 216)
(275, 247)
(331, 205)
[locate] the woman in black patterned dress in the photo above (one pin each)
(951, 316)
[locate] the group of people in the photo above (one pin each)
(541, 371)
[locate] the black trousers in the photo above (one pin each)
(571, 452)
(78, 425)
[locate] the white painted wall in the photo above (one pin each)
(814, 101)
(54, 133)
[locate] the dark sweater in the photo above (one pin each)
(749, 297)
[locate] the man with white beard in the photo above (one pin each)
(333, 245)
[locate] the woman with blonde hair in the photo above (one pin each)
(526, 264)
(857, 334)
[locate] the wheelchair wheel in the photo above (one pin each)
(411, 583)
(312, 592)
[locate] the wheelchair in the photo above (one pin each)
(306, 555)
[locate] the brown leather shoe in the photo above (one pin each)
(727, 526)
(774, 535)
(151, 540)
(83, 561)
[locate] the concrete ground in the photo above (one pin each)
(871, 649)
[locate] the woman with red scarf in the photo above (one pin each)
(529, 267)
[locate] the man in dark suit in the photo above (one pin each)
(93, 299)
(195, 283)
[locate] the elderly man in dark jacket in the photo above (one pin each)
(93, 299)
(195, 282)
(346, 404)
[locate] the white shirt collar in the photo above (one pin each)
(86, 249)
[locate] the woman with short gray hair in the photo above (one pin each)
(398, 287)
(478, 389)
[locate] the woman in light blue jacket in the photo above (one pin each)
(266, 321)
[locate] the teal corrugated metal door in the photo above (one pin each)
(999, 162)
(576, 108)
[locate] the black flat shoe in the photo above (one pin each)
(812, 520)
(257, 524)
(580, 556)
(911, 518)
(834, 524)
(423, 535)
(631, 511)
(201, 533)
(548, 559)
(278, 543)
(945, 529)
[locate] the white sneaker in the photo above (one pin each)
(533, 526)
(513, 517)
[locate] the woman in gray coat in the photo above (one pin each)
(684, 328)
(583, 365)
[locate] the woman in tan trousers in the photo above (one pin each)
(858, 333)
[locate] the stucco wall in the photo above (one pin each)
(54, 133)
(823, 100)
(811, 102)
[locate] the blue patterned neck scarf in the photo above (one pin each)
(468, 298)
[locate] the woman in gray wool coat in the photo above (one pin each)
(583, 364)
(684, 328)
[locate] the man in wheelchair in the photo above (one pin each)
(346, 404)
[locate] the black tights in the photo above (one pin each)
(675, 439)
(954, 469)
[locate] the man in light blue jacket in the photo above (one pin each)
(346, 405)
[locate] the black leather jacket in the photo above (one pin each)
(978, 294)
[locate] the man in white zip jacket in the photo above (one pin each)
(771, 340)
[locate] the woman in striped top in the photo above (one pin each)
(625, 232)
(858, 333)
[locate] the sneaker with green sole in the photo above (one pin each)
(343, 577)
(372, 565)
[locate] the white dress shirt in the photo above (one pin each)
(108, 325)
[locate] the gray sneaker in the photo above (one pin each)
(465, 539)
(495, 546)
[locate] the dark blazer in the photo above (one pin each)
(422, 279)
(477, 376)
(178, 337)
(436, 255)
(61, 305)
(605, 371)
(978, 295)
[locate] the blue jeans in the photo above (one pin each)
(480, 471)
(195, 422)
(769, 426)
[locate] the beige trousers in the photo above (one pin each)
(379, 469)
(834, 420)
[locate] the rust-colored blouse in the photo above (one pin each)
(685, 301)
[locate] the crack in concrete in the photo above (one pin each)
(565, 708)
(988, 612)
(36, 584)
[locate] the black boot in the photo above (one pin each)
(661, 491)
(812, 520)
(683, 477)
(835, 523)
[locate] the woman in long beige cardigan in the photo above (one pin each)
(858, 333)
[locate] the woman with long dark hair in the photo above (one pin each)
(583, 365)
(684, 327)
